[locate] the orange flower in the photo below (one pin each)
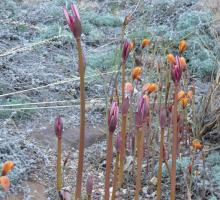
(145, 43)
(149, 87)
(190, 94)
(184, 102)
(7, 167)
(196, 144)
(183, 64)
(182, 46)
(170, 58)
(136, 73)
(5, 182)
(180, 95)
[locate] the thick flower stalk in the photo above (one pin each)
(141, 115)
(58, 132)
(162, 153)
(128, 91)
(115, 180)
(176, 73)
(112, 123)
(75, 27)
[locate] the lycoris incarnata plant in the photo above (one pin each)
(150, 105)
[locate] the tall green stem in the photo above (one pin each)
(174, 148)
(108, 166)
(82, 121)
(59, 168)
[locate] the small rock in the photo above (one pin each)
(154, 181)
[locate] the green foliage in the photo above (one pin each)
(214, 161)
(48, 31)
(22, 27)
(102, 60)
(191, 21)
(107, 20)
(96, 36)
(181, 165)
(213, 158)
(100, 19)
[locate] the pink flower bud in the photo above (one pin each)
(129, 89)
(142, 110)
(163, 117)
(89, 185)
(73, 21)
(176, 71)
(58, 127)
(113, 117)
(125, 51)
(118, 143)
(125, 106)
